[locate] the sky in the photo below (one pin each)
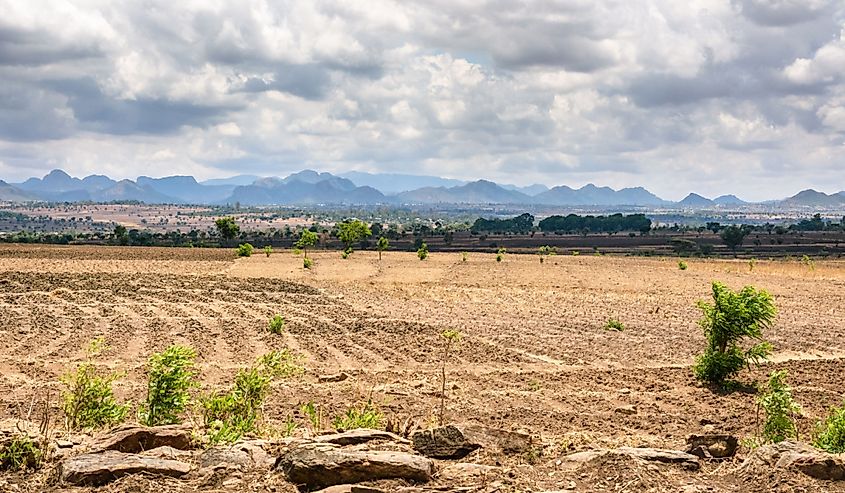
(710, 96)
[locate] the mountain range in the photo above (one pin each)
(357, 188)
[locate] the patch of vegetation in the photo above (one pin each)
(227, 228)
(734, 236)
(268, 250)
(451, 337)
(307, 263)
(521, 224)
(500, 254)
(170, 378)
(366, 416)
(464, 256)
(808, 262)
(776, 401)
(727, 322)
(352, 231)
(88, 399)
(382, 245)
(682, 265)
(751, 264)
(20, 454)
(614, 324)
(422, 252)
(545, 251)
(245, 250)
(830, 434)
(614, 223)
(231, 415)
(314, 414)
(306, 239)
(277, 324)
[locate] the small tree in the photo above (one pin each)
(268, 250)
(733, 317)
(245, 250)
(88, 399)
(352, 231)
(382, 245)
(545, 251)
(451, 337)
(227, 228)
(733, 236)
(170, 378)
(780, 409)
(422, 252)
(307, 239)
(500, 254)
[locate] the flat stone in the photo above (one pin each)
(248, 455)
(322, 465)
(457, 441)
(359, 436)
(135, 439)
(796, 455)
(626, 409)
(464, 472)
(102, 468)
(349, 488)
(645, 454)
(338, 377)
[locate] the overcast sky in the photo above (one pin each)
(712, 96)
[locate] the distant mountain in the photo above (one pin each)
(530, 190)
(394, 183)
(695, 200)
(593, 195)
(477, 192)
(812, 198)
(234, 181)
(129, 190)
(305, 187)
(185, 189)
(729, 200)
(11, 193)
(54, 182)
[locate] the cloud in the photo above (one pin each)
(720, 96)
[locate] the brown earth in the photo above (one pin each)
(534, 355)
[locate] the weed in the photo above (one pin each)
(422, 252)
(19, 454)
(614, 324)
(229, 416)
(367, 416)
(245, 250)
(500, 254)
(307, 263)
(88, 399)
(451, 337)
(314, 414)
(171, 377)
(810, 263)
(732, 317)
(576, 253)
(268, 250)
(751, 264)
(277, 324)
(780, 408)
(682, 265)
(464, 256)
(830, 434)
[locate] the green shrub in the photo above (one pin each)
(830, 434)
(545, 251)
(366, 416)
(500, 254)
(88, 399)
(19, 454)
(346, 253)
(613, 324)
(277, 324)
(245, 250)
(382, 245)
(171, 376)
(751, 264)
(268, 250)
(780, 408)
(576, 253)
(229, 416)
(810, 263)
(733, 317)
(682, 265)
(422, 252)
(307, 263)
(464, 256)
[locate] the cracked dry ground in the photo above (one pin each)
(535, 356)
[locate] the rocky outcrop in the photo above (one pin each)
(458, 441)
(359, 436)
(319, 465)
(799, 456)
(135, 439)
(102, 468)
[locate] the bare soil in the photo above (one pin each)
(535, 355)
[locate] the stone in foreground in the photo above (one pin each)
(359, 436)
(712, 446)
(795, 455)
(457, 441)
(136, 439)
(677, 457)
(324, 465)
(102, 468)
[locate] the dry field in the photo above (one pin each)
(535, 355)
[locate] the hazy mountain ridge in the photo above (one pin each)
(309, 187)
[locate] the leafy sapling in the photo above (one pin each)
(451, 338)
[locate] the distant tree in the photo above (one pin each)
(352, 231)
(382, 245)
(307, 239)
(733, 236)
(121, 234)
(227, 228)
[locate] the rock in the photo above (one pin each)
(101, 468)
(573, 461)
(466, 472)
(168, 453)
(350, 488)
(358, 436)
(457, 441)
(322, 465)
(712, 446)
(247, 455)
(63, 443)
(333, 378)
(135, 439)
(626, 409)
(796, 455)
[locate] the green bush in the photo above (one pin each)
(464, 256)
(277, 324)
(830, 434)
(613, 324)
(366, 416)
(500, 255)
(733, 317)
(682, 265)
(229, 416)
(245, 250)
(170, 377)
(780, 408)
(268, 250)
(20, 454)
(422, 252)
(88, 399)
(307, 263)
